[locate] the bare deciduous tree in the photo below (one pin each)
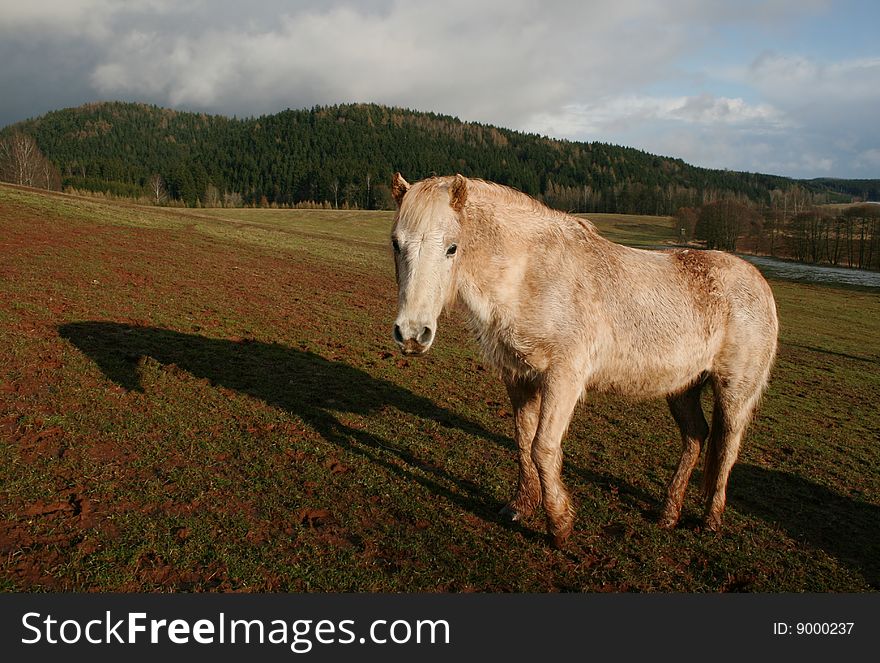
(212, 196)
(367, 204)
(862, 229)
(158, 192)
(232, 199)
(20, 160)
(50, 176)
(721, 223)
(683, 222)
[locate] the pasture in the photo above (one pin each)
(210, 400)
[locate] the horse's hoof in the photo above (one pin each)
(712, 525)
(510, 512)
(667, 522)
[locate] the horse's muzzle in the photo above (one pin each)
(412, 347)
(416, 345)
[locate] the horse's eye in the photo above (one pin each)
(451, 250)
(396, 245)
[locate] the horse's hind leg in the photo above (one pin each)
(525, 397)
(688, 414)
(735, 403)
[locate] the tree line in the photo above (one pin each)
(790, 226)
(22, 163)
(344, 156)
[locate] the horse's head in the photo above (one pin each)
(425, 239)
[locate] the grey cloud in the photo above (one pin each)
(833, 104)
(569, 68)
(491, 61)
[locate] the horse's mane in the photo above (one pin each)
(488, 194)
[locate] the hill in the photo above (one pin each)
(862, 189)
(346, 154)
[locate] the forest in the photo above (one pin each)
(344, 155)
(788, 227)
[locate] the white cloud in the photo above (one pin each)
(630, 112)
(814, 118)
(494, 61)
(840, 97)
(716, 132)
(707, 109)
(834, 103)
(517, 63)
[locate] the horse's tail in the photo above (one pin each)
(713, 453)
(710, 468)
(729, 420)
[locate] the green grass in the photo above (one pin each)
(209, 400)
(634, 229)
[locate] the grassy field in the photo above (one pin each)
(633, 229)
(210, 400)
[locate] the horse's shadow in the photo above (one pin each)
(847, 529)
(306, 385)
(316, 390)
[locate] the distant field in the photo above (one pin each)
(631, 229)
(199, 400)
(634, 229)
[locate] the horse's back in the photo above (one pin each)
(726, 286)
(674, 316)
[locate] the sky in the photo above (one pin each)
(789, 87)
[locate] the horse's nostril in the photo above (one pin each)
(425, 337)
(397, 335)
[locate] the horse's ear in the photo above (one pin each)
(458, 193)
(399, 187)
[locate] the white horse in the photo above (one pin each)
(558, 310)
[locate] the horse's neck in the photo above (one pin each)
(476, 303)
(490, 318)
(487, 283)
(485, 294)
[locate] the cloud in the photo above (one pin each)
(829, 91)
(781, 74)
(630, 112)
(814, 118)
(576, 70)
(18, 15)
(496, 61)
(712, 131)
(833, 103)
(869, 158)
(91, 19)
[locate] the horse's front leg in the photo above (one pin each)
(525, 397)
(559, 396)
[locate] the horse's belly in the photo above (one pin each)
(651, 375)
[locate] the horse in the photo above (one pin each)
(559, 311)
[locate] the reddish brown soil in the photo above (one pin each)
(69, 271)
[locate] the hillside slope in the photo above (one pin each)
(346, 154)
(210, 400)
